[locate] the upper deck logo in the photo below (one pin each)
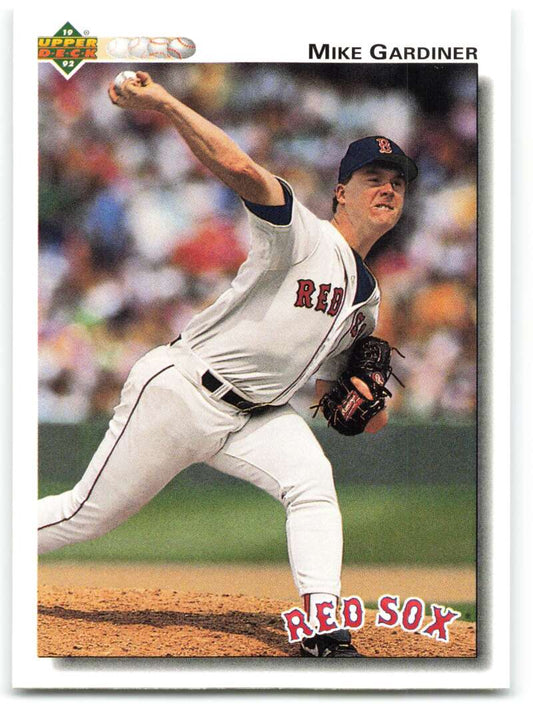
(67, 49)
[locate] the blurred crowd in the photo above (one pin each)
(136, 236)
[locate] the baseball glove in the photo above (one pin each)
(346, 409)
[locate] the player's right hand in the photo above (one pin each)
(139, 93)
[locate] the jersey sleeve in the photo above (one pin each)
(283, 235)
(275, 214)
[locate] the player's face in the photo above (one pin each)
(374, 196)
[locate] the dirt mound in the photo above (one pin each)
(88, 622)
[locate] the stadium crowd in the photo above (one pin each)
(135, 236)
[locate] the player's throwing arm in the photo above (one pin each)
(208, 143)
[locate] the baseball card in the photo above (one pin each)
(256, 290)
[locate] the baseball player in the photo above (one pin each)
(220, 392)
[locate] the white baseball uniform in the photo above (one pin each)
(297, 304)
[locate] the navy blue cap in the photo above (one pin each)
(376, 149)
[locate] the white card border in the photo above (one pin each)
(32, 672)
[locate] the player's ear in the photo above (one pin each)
(340, 193)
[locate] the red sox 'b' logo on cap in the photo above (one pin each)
(384, 145)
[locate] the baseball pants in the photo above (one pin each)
(166, 421)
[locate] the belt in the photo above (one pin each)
(212, 383)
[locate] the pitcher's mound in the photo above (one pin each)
(78, 622)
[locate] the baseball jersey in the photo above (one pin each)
(297, 304)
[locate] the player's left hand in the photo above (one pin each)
(139, 93)
(356, 401)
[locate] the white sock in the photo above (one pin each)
(310, 602)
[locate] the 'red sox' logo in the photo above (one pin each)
(326, 300)
(384, 145)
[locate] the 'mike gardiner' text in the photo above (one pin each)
(381, 52)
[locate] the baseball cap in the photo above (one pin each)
(376, 149)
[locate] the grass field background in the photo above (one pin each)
(408, 498)
(230, 521)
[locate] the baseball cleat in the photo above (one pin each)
(334, 644)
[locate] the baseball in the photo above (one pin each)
(138, 47)
(118, 47)
(157, 47)
(181, 48)
(122, 77)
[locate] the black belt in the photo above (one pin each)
(212, 383)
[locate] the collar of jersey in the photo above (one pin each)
(366, 283)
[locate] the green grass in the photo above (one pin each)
(237, 523)
(467, 609)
